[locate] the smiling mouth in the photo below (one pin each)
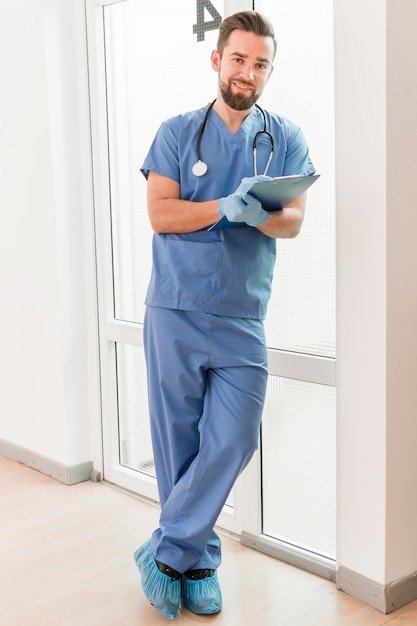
(242, 86)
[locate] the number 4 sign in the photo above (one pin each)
(202, 26)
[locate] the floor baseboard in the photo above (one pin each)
(314, 564)
(384, 598)
(69, 475)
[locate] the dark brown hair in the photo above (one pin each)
(249, 21)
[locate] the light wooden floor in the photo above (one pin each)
(66, 559)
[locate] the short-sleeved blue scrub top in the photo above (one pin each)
(222, 272)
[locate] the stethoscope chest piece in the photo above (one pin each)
(199, 168)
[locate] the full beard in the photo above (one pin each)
(237, 101)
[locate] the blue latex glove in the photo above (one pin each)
(248, 182)
(242, 207)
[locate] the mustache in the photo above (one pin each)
(247, 83)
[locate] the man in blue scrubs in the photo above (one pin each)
(207, 298)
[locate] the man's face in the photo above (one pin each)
(244, 68)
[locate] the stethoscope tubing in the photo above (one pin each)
(200, 168)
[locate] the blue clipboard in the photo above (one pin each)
(274, 194)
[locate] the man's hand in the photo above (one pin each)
(247, 183)
(241, 206)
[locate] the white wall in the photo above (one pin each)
(47, 387)
(361, 288)
(401, 289)
(377, 301)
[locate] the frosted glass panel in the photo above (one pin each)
(299, 465)
(148, 80)
(298, 433)
(134, 433)
(301, 314)
(302, 309)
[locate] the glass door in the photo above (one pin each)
(152, 61)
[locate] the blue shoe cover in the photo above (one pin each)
(161, 591)
(202, 597)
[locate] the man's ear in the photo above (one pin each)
(215, 60)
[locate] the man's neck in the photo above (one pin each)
(232, 119)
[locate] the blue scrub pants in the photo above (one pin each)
(207, 378)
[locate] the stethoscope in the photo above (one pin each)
(200, 168)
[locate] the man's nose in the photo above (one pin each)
(248, 72)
